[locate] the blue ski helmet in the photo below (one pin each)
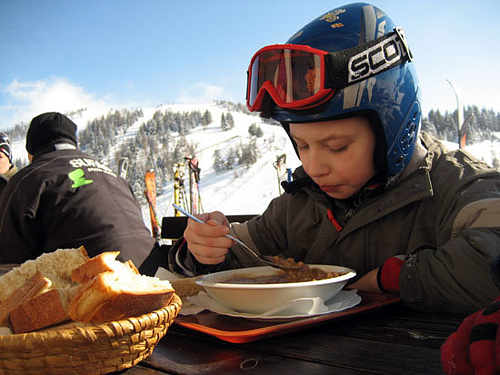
(389, 97)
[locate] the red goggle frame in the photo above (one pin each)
(293, 75)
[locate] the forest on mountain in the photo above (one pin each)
(153, 146)
(478, 125)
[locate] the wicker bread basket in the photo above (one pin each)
(101, 349)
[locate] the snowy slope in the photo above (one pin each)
(241, 190)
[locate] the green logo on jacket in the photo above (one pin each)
(78, 178)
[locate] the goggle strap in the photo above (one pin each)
(355, 64)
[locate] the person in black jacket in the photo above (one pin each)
(65, 199)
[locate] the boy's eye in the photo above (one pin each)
(301, 147)
(338, 149)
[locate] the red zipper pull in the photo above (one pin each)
(333, 221)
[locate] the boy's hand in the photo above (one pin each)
(367, 283)
(208, 243)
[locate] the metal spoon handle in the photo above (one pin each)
(250, 250)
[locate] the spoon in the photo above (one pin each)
(264, 259)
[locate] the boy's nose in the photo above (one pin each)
(315, 165)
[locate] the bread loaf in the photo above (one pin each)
(56, 266)
(104, 262)
(66, 284)
(114, 295)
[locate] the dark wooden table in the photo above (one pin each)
(388, 340)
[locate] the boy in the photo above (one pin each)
(372, 193)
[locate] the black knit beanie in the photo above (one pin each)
(49, 129)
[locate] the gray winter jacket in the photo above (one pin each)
(442, 215)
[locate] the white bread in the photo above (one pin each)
(35, 285)
(93, 290)
(44, 310)
(185, 287)
(118, 295)
(104, 262)
(56, 266)
(4, 331)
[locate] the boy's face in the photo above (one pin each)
(337, 154)
(4, 163)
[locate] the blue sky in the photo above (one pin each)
(65, 55)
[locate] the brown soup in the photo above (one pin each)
(303, 273)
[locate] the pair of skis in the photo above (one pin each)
(150, 193)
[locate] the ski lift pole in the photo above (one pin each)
(460, 112)
(192, 206)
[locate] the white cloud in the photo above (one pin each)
(26, 99)
(200, 92)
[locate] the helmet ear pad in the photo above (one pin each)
(399, 155)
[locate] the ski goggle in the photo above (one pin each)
(299, 77)
(293, 75)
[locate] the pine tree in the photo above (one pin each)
(255, 130)
(207, 118)
(223, 123)
(218, 163)
(229, 121)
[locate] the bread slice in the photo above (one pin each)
(56, 266)
(35, 285)
(5, 331)
(118, 295)
(185, 287)
(42, 311)
(104, 262)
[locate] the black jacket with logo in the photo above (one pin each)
(66, 199)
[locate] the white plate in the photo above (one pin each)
(343, 300)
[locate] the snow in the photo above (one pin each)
(241, 190)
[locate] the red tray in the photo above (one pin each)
(241, 330)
